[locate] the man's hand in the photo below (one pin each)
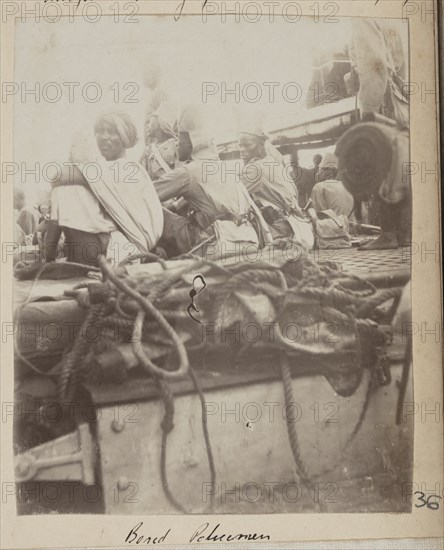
(176, 205)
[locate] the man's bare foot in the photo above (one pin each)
(385, 241)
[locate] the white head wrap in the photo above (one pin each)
(270, 149)
(123, 125)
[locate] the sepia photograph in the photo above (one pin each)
(212, 269)
(212, 277)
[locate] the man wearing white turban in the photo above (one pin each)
(271, 187)
(116, 194)
(115, 132)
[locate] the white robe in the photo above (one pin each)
(128, 195)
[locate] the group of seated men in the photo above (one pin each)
(180, 195)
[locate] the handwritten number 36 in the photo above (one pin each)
(430, 505)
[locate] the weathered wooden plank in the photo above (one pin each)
(249, 437)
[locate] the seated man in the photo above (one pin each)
(264, 175)
(216, 199)
(123, 198)
(28, 216)
(330, 193)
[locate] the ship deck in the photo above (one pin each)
(385, 266)
(362, 483)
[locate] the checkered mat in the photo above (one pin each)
(364, 262)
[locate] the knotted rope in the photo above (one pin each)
(139, 310)
(327, 286)
(162, 376)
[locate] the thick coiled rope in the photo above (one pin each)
(322, 283)
(71, 366)
(329, 287)
(372, 303)
(148, 309)
(162, 376)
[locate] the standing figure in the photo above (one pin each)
(152, 80)
(303, 179)
(317, 159)
(160, 155)
(379, 70)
